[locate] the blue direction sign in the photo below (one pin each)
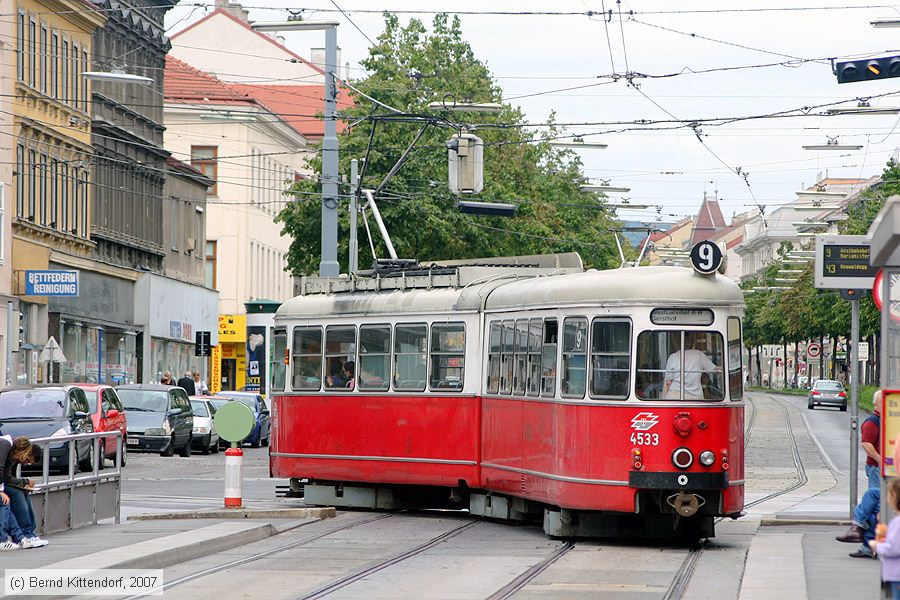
(51, 283)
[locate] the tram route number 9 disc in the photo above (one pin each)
(706, 257)
(234, 421)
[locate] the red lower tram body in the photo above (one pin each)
(616, 466)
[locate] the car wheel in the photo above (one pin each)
(265, 442)
(208, 449)
(124, 452)
(87, 465)
(170, 449)
(810, 406)
(256, 443)
(215, 448)
(186, 449)
(844, 407)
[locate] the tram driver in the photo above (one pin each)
(696, 364)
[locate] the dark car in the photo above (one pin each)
(50, 411)
(159, 418)
(828, 392)
(262, 429)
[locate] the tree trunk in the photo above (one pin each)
(758, 367)
(834, 347)
(821, 358)
(796, 364)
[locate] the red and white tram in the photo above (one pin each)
(603, 402)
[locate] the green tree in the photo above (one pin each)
(409, 68)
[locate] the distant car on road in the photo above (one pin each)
(262, 428)
(827, 392)
(50, 411)
(206, 438)
(107, 414)
(159, 418)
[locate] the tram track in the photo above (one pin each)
(517, 584)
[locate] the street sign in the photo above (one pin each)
(51, 352)
(234, 421)
(51, 283)
(202, 343)
(813, 350)
(706, 257)
(842, 262)
(877, 290)
(863, 351)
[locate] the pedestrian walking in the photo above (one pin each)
(888, 550)
(167, 379)
(187, 384)
(199, 385)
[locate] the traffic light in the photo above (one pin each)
(867, 69)
(17, 334)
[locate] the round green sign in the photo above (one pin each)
(234, 421)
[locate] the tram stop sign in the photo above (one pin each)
(234, 421)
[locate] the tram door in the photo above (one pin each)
(229, 374)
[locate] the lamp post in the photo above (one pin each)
(116, 76)
(328, 265)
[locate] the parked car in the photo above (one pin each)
(262, 428)
(50, 411)
(206, 438)
(159, 418)
(828, 392)
(107, 414)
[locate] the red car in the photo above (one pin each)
(108, 415)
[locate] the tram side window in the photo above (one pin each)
(735, 359)
(448, 356)
(521, 357)
(534, 357)
(277, 366)
(548, 358)
(680, 365)
(506, 356)
(574, 358)
(374, 357)
(410, 345)
(307, 358)
(610, 358)
(340, 357)
(493, 380)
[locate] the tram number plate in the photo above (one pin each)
(645, 439)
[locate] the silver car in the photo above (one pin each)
(205, 438)
(827, 392)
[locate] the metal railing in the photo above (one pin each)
(98, 485)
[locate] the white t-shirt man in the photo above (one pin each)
(696, 363)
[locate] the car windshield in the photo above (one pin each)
(143, 400)
(92, 400)
(217, 404)
(199, 408)
(40, 404)
(246, 400)
(829, 386)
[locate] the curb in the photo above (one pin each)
(242, 513)
(800, 521)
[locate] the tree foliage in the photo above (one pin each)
(409, 68)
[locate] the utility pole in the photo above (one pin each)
(353, 261)
(854, 401)
(329, 267)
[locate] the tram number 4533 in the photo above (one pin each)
(645, 439)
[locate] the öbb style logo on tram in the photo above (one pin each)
(597, 403)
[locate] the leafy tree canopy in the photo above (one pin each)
(409, 68)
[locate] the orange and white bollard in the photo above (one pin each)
(234, 457)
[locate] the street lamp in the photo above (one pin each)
(833, 144)
(328, 265)
(606, 189)
(885, 23)
(116, 76)
(484, 107)
(863, 108)
(577, 142)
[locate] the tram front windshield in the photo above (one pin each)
(680, 365)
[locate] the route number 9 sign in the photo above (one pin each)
(706, 257)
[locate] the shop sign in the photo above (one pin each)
(51, 283)
(215, 370)
(181, 331)
(256, 359)
(233, 328)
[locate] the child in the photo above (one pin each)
(889, 549)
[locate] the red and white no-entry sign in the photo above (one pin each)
(877, 296)
(813, 350)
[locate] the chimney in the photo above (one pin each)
(235, 10)
(317, 57)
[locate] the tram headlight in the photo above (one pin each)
(707, 458)
(682, 458)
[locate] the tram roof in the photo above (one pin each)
(671, 286)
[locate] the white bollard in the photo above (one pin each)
(234, 458)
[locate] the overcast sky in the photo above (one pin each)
(533, 54)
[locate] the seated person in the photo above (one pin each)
(20, 522)
(335, 377)
(349, 370)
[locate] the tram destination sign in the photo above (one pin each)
(842, 262)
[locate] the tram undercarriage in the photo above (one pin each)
(661, 514)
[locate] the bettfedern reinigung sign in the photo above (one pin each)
(51, 283)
